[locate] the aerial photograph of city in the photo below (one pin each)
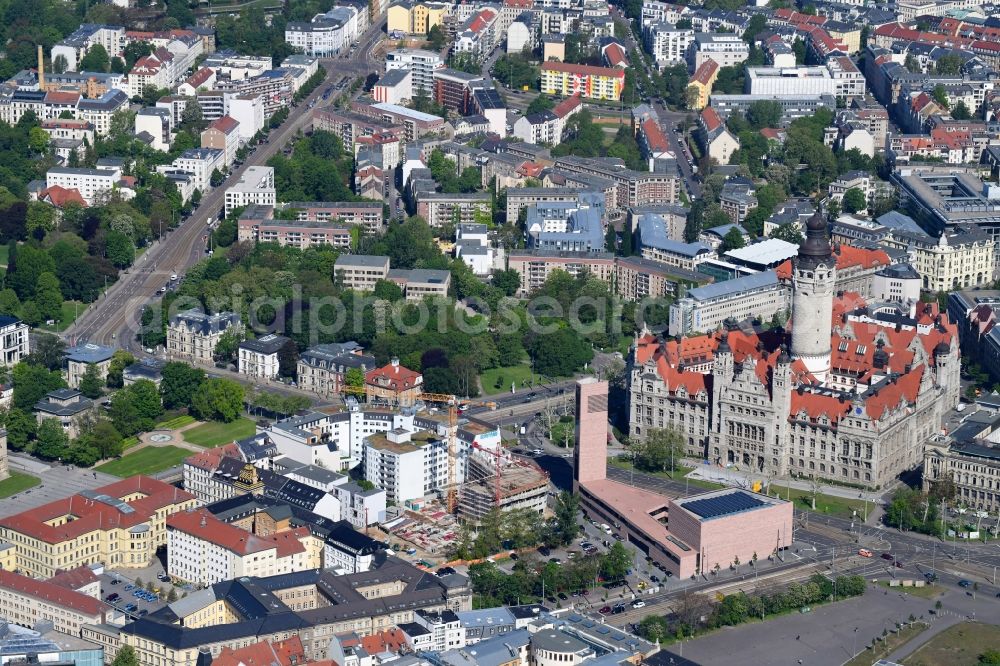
(499, 333)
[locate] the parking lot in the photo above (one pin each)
(127, 591)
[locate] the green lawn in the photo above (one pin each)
(959, 645)
(827, 504)
(149, 460)
(926, 592)
(517, 373)
(216, 434)
(677, 475)
(17, 481)
(129, 442)
(175, 423)
(69, 311)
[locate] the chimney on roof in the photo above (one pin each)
(394, 362)
(41, 68)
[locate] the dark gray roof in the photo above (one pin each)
(269, 344)
(89, 353)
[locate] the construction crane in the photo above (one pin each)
(454, 406)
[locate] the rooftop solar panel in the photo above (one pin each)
(723, 505)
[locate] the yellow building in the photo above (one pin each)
(559, 78)
(848, 34)
(120, 525)
(415, 18)
(702, 82)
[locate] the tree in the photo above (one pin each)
(32, 382)
(733, 240)
(788, 232)
(52, 440)
(133, 51)
(507, 281)
(541, 103)
(961, 111)
(288, 359)
(192, 118)
(179, 383)
(436, 38)
(91, 383)
(48, 298)
(120, 360)
(387, 290)
(126, 655)
(654, 628)
(21, 427)
(60, 64)
(949, 65)
(40, 218)
(990, 656)
(120, 249)
(47, 351)
(218, 400)
(854, 200)
(559, 354)
(95, 60)
(764, 113)
(355, 378)
(216, 178)
(135, 408)
(662, 450)
(106, 439)
(940, 95)
(38, 140)
(10, 304)
(228, 345)
(566, 512)
(616, 563)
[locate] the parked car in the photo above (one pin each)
(965, 583)
(114, 596)
(618, 608)
(638, 603)
(605, 610)
(886, 556)
(864, 552)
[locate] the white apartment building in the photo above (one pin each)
(667, 43)
(327, 34)
(14, 341)
(91, 183)
(255, 186)
(248, 110)
(726, 49)
(408, 469)
(98, 112)
(259, 358)
(75, 45)
(205, 550)
(193, 334)
(360, 272)
(420, 63)
(199, 163)
(789, 81)
(848, 80)
(704, 309)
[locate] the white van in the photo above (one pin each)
(606, 528)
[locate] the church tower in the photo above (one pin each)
(814, 274)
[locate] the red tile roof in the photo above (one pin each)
(710, 119)
(848, 256)
(60, 196)
(796, 18)
(225, 124)
(74, 579)
(61, 97)
(51, 593)
(94, 515)
(655, 138)
(773, 134)
(615, 56)
(483, 19)
(567, 106)
(288, 652)
(199, 77)
(399, 377)
(705, 72)
(384, 641)
(582, 70)
(203, 525)
(209, 459)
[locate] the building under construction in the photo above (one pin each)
(520, 484)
